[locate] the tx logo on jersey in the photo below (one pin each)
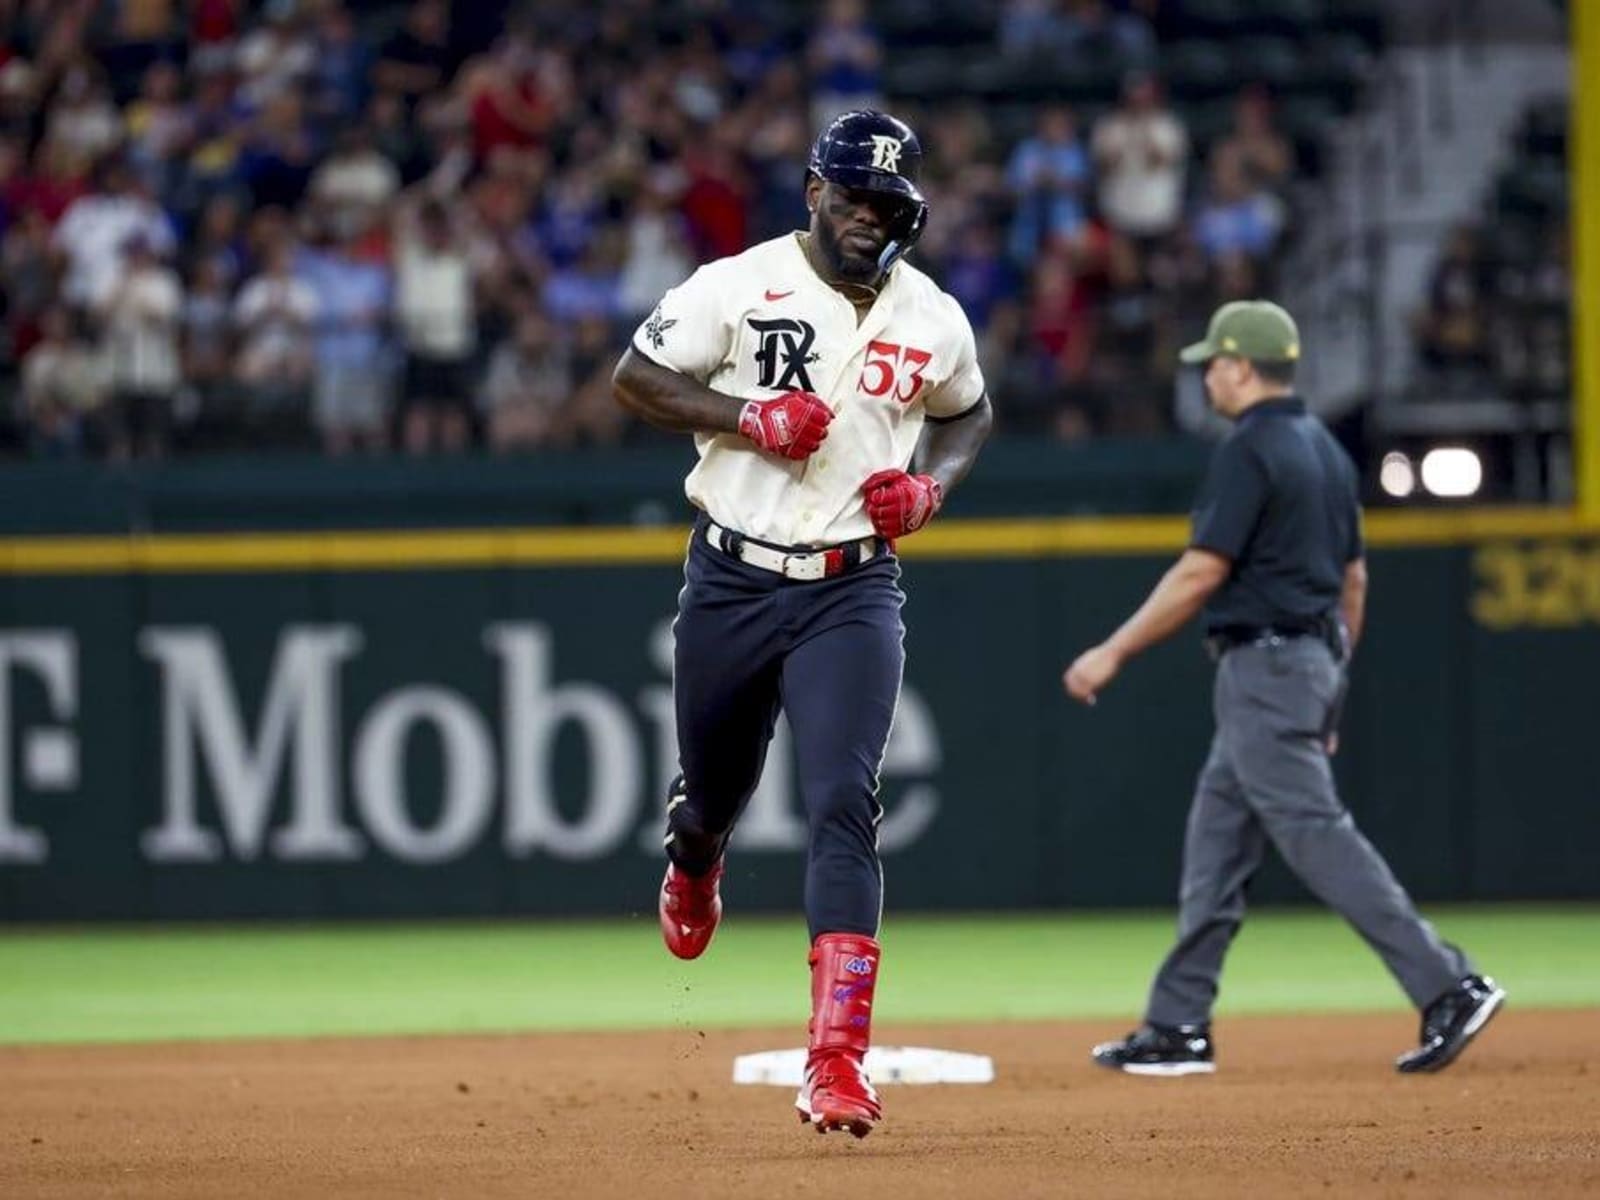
(886, 152)
(784, 351)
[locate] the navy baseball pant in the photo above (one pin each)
(829, 654)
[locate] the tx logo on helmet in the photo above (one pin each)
(886, 152)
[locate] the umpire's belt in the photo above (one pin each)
(1223, 638)
(805, 563)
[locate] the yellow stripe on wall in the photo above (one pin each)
(445, 549)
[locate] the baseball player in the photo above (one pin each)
(813, 370)
(1277, 564)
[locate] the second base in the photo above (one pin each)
(885, 1064)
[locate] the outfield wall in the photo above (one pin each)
(478, 721)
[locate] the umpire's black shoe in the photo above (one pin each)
(1160, 1050)
(1451, 1022)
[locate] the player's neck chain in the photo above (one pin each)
(857, 293)
(862, 295)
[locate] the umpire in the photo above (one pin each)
(1276, 562)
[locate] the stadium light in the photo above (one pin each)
(1452, 471)
(1397, 476)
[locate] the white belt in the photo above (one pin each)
(791, 564)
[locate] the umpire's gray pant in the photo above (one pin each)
(1268, 776)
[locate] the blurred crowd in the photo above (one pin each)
(1496, 320)
(1498, 323)
(361, 226)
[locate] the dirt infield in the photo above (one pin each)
(1305, 1107)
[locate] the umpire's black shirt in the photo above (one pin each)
(1280, 501)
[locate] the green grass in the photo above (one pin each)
(142, 983)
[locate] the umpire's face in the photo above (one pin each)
(850, 227)
(1225, 377)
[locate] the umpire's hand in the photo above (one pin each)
(1090, 672)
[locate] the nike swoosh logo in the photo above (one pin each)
(771, 295)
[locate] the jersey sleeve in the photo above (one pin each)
(689, 331)
(1231, 500)
(963, 387)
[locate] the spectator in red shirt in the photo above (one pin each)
(50, 185)
(714, 203)
(506, 98)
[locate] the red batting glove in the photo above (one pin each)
(899, 504)
(791, 425)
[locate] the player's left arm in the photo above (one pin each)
(949, 445)
(957, 414)
(957, 421)
(901, 502)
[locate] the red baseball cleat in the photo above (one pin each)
(690, 908)
(837, 1093)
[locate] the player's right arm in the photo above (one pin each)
(689, 339)
(672, 400)
(790, 426)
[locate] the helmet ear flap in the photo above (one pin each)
(908, 227)
(918, 222)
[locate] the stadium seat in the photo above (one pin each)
(922, 74)
(1215, 16)
(1336, 60)
(1198, 68)
(1511, 242)
(1533, 189)
(904, 22)
(1364, 18)
(989, 77)
(963, 23)
(1308, 117)
(1275, 61)
(1287, 18)
(1544, 130)
(1013, 122)
(1208, 121)
(1052, 77)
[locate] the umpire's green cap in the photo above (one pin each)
(1253, 329)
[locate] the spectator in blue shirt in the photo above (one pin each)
(846, 60)
(588, 290)
(1238, 219)
(1047, 175)
(1093, 28)
(353, 369)
(570, 215)
(977, 274)
(339, 78)
(1031, 27)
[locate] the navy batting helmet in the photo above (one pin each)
(877, 153)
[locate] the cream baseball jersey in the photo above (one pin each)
(763, 323)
